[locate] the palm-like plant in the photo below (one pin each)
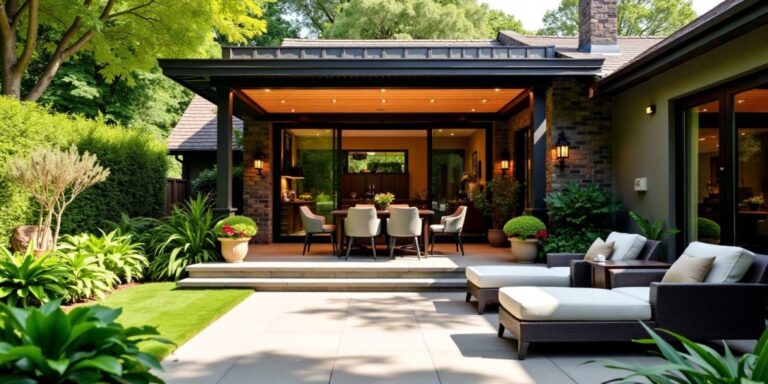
(183, 238)
(47, 345)
(117, 253)
(138, 228)
(653, 230)
(87, 277)
(699, 364)
(28, 280)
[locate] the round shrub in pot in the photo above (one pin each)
(709, 231)
(234, 233)
(524, 234)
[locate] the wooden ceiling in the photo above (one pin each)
(374, 133)
(382, 100)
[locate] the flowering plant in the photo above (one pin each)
(236, 227)
(384, 198)
(542, 234)
(759, 200)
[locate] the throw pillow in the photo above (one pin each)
(627, 245)
(731, 263)
(689, 269)
(599, 247)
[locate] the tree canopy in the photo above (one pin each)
(122, 36)
(635, 17)
(401, 19)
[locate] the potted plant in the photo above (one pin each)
(524, 234)
(755, 202)
(498, 202)
(234, 233)
(383, 200)
(709, 231)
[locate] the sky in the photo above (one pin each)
(531, 12)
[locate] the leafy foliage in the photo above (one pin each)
(234, 222)
(653, 230)
(579, 214)
(87, 278)
(524, 227)
(28, 280)
(699, 364)
(414, 19)
(499, 200)
(137, 163)
(635, 17)
(114, 252)
(183, 238)
(205, 182)
(138, 228)
(86, 345)
(278, 27)
(708, 229)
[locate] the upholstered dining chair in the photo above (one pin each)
(403, 223)
(365, 206)
(398, 206)
(361, 223)
(451, 225)
(315, 225)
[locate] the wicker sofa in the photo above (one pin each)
(562, 270)
(701, 311)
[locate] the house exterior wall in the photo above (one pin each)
(642, 143)
(587, 125)
(258, 189)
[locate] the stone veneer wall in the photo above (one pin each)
(598, 22)
(587, 124)
(501, 140)
(257, 189)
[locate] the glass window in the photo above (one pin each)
(704, 169)
(361, 161)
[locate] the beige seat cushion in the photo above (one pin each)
(437, 228)
(731, 263)
(627, 246)
(688, 269)
(572, 304)
(640, 293)
(599, 247)
(497, 276)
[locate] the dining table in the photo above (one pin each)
(340, 214)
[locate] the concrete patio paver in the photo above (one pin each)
(372, 337)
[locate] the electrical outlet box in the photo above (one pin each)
(641, 184)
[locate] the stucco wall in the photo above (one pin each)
(642, 142)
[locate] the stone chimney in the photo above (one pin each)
(598, 26)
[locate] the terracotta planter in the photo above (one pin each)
(497, 238)
(524, 250)
(234, 250)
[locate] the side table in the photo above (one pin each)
(601, 269)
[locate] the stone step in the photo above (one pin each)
(325, 270)
(327, 284)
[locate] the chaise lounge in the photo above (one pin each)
(562, 270)
(730, 303)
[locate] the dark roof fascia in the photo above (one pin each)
(741, 18)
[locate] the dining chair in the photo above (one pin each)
(403, 223)
(315, 225)
(398, 206)
(452, 224)
(361, 223)
(365, 206)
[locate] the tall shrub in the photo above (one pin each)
(136, 159)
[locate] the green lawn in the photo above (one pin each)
(178, 314)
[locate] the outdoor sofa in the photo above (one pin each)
(562, 270)
(729, 304)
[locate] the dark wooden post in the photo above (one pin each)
(224, 152)
(539, 163)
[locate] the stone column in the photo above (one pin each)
(258, 191)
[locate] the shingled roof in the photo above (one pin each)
(196, 131)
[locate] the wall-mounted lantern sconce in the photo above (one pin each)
(650, 109)
(505, 161)
(258, 162)
(562, 149)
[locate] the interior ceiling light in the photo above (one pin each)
(431, 100)
(383, 101)
(293, 110)
(704, 109)
(440, 130)
(267, 90)
(282, 101)
(383, 90)
(452, 133)
(497, 90)
(741, 101)
(473, 110)
(333, 101)
(327, 130)
(484, 100)
(702, 139)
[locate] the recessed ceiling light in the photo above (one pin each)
(743, 134)
(282, 101)
(741, 101)
(702, 138)
(333, 101)
(383, 101)
(440, 130)
(497, 90)
(293, 110)
(383, 90)
(267, 90)
(473, 110)
(484, 100)
(327, 130)
(704, 109)
(451, 133)
(431, 100)
(317, 134)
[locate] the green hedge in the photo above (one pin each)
(137, 162)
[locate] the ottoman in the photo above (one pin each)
(483, 282)
(556, 314)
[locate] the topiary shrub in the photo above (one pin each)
(709, 230)
(525, 227)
